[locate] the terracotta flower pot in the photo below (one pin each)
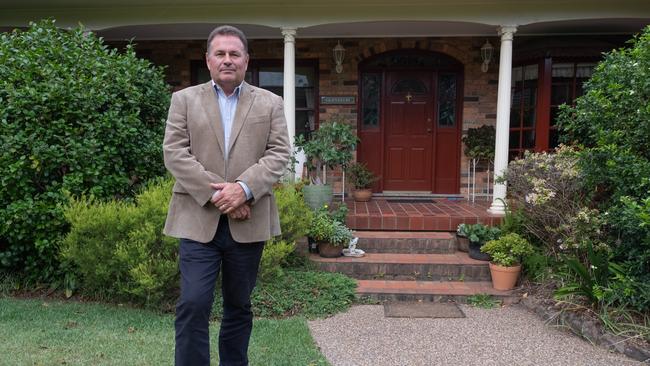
(362, 195)
(463, 243)
(504, 278)
(328, 250)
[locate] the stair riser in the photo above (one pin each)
(420, 297)
(399, 271)
(407, 245)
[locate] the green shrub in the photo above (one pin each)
(76, 116)
(274, 257)
(118, 249)
(611, 122)
(508, 250)
(295, 215)
(325, 228)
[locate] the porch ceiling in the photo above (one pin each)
(166, 19)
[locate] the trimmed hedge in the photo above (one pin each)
(75, 116)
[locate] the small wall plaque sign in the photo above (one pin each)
(338, 99)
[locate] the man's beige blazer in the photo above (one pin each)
(194, 154)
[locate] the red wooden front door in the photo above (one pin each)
(409, 131)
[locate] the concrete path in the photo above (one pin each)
(504, 336)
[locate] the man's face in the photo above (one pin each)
(227, 61)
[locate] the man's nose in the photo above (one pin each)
(227, 60)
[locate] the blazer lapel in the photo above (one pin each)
(244, 105)
(211, 106)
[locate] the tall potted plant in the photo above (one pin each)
(479, 146)
(507, 253)
(329, 146)
(362, 179)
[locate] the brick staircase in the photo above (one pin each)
(412, 265)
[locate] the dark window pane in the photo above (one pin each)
(304, 122)
(447, 113)
(529, 117)
(560, 94)
(553, 138)
(447, 100)
(530, 94)
(515, 100)
(554, 112)
(409, 85)
(529, 139)
(515, 118)
(370, 86)
(514, 142)
(249, 77)
(447, 86)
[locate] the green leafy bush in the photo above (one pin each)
(508, 250)
(274, 257)
(295, 215)
(325, 228)
(118, 249)
(479, 233)
(611, 123)
(76, 116)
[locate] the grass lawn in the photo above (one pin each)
(34, 332)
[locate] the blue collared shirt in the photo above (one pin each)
(227, 108)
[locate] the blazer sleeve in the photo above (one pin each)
(180, 162)
(261, 176)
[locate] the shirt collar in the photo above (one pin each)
(237, 90)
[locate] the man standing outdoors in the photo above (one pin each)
(226, 143)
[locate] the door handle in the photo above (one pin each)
(428, 130)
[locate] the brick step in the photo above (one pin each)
(425, 242)
(425, 290)
(395, 266)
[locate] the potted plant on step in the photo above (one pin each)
(507, 253)
(478, 235)
(362, 179)
(330, 234)
(329, 146)
(461, 238)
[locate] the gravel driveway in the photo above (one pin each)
(505, 336)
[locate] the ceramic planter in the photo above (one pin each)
(475, 252)
(362, 195)
(504, 278)
(328, 250)
(463, 243)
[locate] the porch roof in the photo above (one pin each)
(193, 19)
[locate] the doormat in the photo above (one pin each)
(422, 310)
(410, 200)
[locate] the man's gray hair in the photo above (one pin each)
(228, 30)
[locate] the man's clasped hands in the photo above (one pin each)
(230, 199)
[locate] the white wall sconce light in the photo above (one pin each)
(486, 55)
(339, 55)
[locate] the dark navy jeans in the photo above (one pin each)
(200, 264)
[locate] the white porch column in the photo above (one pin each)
(503, 117)
(289, 89)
